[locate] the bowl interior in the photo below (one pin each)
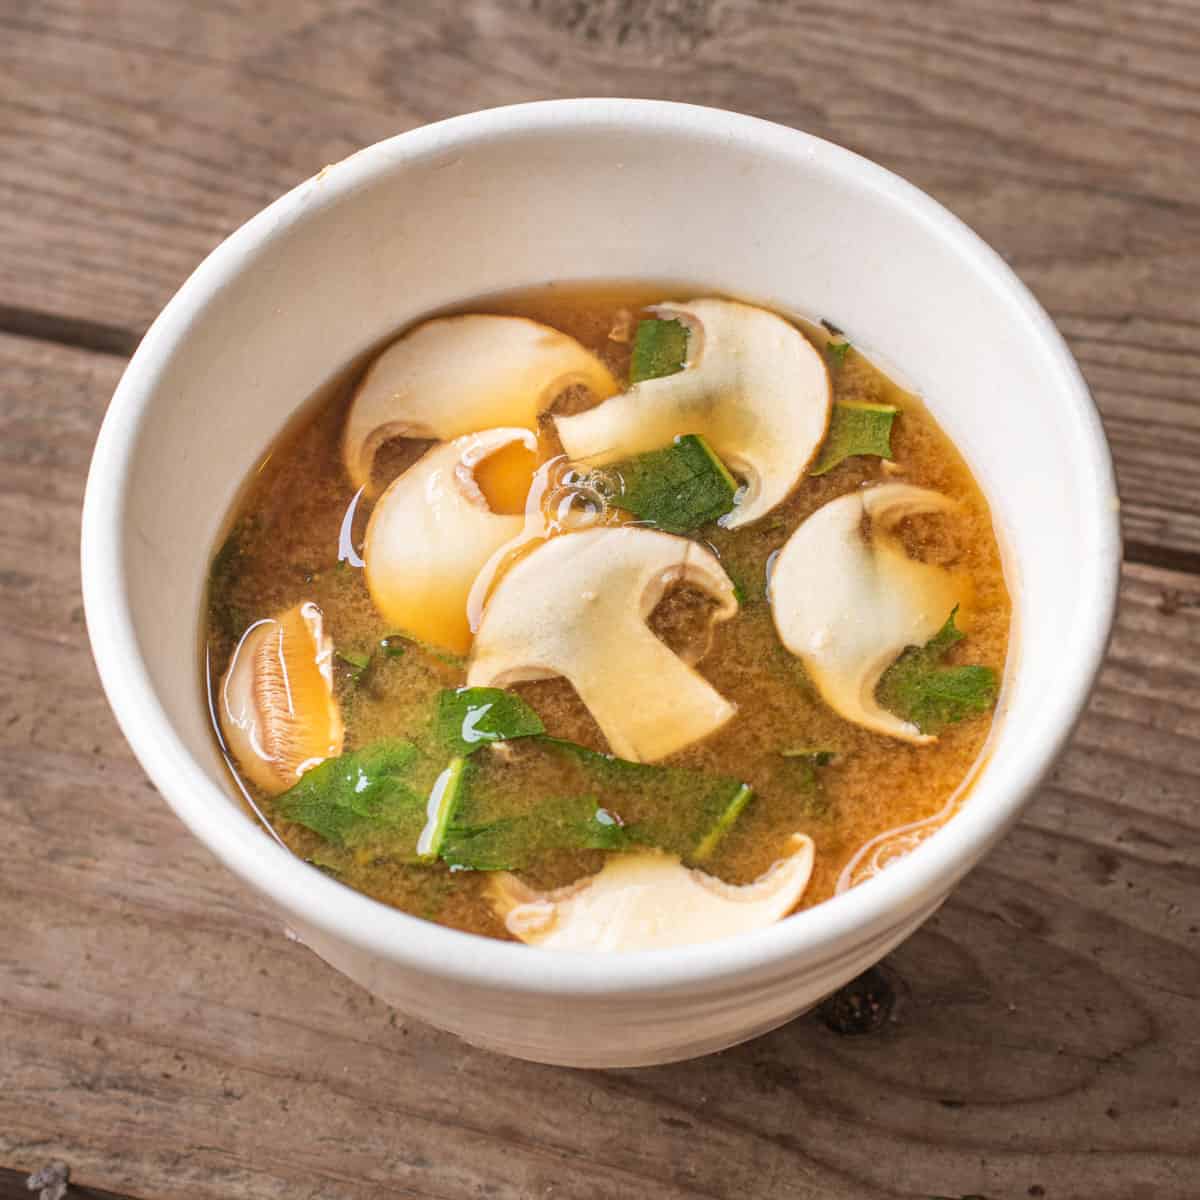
(601, 192)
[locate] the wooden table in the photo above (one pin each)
(156, 1031)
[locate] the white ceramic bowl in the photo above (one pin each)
(576, 190)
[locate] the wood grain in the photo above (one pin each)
(135, 135)
(161, 1035)
(156, 1030)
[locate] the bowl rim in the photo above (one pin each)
(817, 936)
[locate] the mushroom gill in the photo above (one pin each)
(276, 706)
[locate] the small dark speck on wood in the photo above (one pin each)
(50, 1182)
(1172, 601)
(862, 1006)
(658, 28)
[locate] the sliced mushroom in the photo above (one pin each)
(848, 605)
(556, 502)
(577, 606)
(430, 534)
(276, 706)
(457, 375)
(650, 901)
(753, 386)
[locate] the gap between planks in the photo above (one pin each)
(75, 332)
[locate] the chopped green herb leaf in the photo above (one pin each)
(226, 616)
(673, 808)
(659, 348)
(331, 861)
(676, 489)
(744, 563)
(468, 718)
(361, 797)
(856, 428)
(392, 646)
(818, 758)
(931, 696)
(837, 352)
(357, 662)
(799, 775)
(724, 823)
(444, 800)
(509, 843)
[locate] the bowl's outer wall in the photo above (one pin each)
(611, 1031)
(592, 190)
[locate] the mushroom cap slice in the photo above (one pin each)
(753, 386)
(456, 375)
(849, 606)
(429, 535)
(275, 705)
(648, 900)
(577, 606)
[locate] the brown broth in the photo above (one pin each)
(283, 548)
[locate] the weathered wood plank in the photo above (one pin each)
(160, 1035)
(131, 142)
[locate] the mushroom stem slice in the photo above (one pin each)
(432, 531)
(753, 386)
(456, 375)
(275, 705)
(577, 606)
(648, 900)
(848, 606)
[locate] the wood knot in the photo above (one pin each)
(51, 1182)
(862, 1006)
(656, 27)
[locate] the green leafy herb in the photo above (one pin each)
(446, 657)
(357, 662)
(800, 776)
(509, 843)
(724, 823)
(366, 796)
(659, 348)
(917, 688)
(678, 488)
(392, 646)
(837, 352)
(744, 563)
(856, 428)
(818, 758)
(225, 616)
(444, 800)
(386, 801)
(468, 718)
(673, 808)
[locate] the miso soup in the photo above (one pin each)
(601, 619)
